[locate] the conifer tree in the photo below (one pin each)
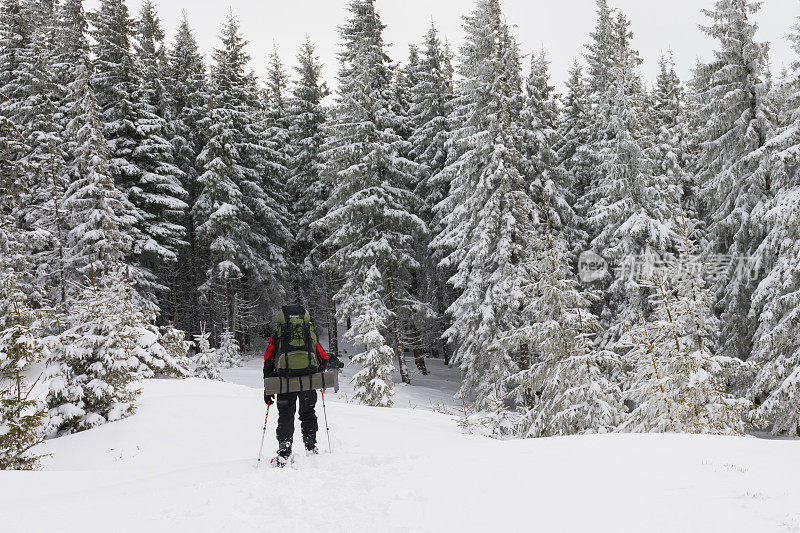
(373, 383)
(100, 219)
(206, 362)
(731, 90)
(176, 352)
(276, 107)
(308, 191)
(278, 145)
(573, 149)
(669, 151)
(430, 99)
(94, 370)
(141, 162)
(775, 358)
(488, 214)
(71, 67)
(151, 55)
(680, 378)
(548, 182)
(632, 214)
(370, 211)
(187, 101)
(243, 228)
(21, 345)
(27, 85)
(566, 389)
(159, 193)
(16, 60)
(228, 354)
(21, 417)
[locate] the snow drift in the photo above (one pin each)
(186, 462)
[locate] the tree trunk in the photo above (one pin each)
(333, 325)
(395, 328)
(193, 286)
(444, 348)
(419, 355)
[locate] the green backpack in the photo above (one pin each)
(297, 343)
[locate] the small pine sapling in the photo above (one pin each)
(679, 381)
(94, 367)
(373, 383)
(21, 344)
(229, 354)
(206, 362)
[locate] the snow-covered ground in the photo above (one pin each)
(186, 462)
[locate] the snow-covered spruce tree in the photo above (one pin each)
(187, 102)
(176, 349)
(430, 99)
(206, 362)
(17, 58)
(548, 183)
(418, 319)
(680, 378)
(29, 93)
(70, 64)
(243, 231)
(572, 149)
(633, 212)
(601, 51)
(21, 418)
(600, 56)
(141, 162)
(277, 140)
(566, 389)
(229, 354)
(373, 383)
(159, 193)
(94, 369)
(100, 218)
(775, 357)
(669, 152)
(21, 345)
(276, 117)
(152, 57)
(731, 91)
(489, 213)
(307, 188)
(370, 211)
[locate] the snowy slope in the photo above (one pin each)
(185, 462)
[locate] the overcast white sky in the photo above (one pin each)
(560, 26)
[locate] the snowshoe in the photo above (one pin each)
(312, 450)
(279, 461)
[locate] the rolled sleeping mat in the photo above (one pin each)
(280, 385)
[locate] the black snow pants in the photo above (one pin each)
(287, 404)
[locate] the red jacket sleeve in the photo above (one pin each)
(270, 351)
(322, 354)
(269, 360)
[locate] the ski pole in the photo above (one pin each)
(327, 429)
(263, 435)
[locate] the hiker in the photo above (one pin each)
(295, 351)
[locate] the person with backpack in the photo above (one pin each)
(295, 351)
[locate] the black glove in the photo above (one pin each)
(268, 398)
(333, 362)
